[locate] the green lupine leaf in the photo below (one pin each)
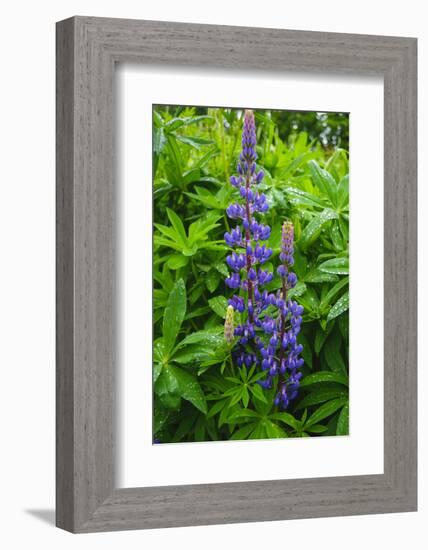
(297, 291)
(336, 236)
(177, 260)
(339, 307)
(336, 266)
(157, 368)
(332, 293)
(243, 413)
(320, 396)
(188, 387)
(166, 388)
(343, 191)
(307, 350)
(219, 306)
(245, 396)
(159, 140)
(216, 408)
(243, 432)
(316, 429)
(257, 391)
(287, 419)
(331, 352)
(323, 376)
(302, 198)
(211, 339)
(160, 419)
(184, 427)
(176, 123)
(195, 355)
(194, 141)
(273, 430)
(212, 280)
(160, 241)
(175, 312)
(192, 175)
(321, 336)
(312, 231)
(326, 410)
(177, 224)
(342, 427)
(159, 351)
(324, 181)
(317, 276)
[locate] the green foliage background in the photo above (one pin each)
(199, 394)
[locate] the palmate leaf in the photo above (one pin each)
(175, 312)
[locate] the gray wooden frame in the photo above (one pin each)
(87, 50)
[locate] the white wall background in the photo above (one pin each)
(27, 272)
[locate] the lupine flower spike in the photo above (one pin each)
(228, 325)
(268, 333)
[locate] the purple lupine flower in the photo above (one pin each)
(248, 236)
(290, 321)
(268, 340)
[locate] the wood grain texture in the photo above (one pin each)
(87, 50)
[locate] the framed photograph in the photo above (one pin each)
(236, 274)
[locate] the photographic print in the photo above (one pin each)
(250, 274)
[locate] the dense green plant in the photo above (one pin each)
(199, 392)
